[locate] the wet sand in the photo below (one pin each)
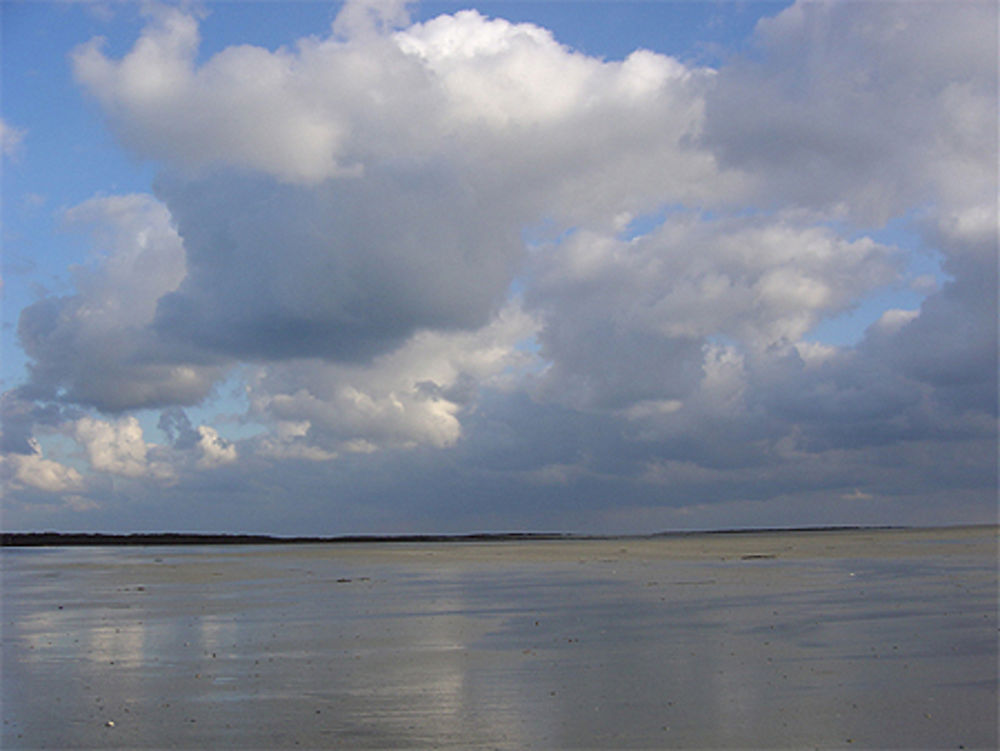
(840, 639)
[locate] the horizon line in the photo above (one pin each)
(68, 539)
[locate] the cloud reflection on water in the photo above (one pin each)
(498, 646)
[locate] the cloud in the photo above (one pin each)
(581, 139)
(360, 18)
(119, 448)
(95, 347)
(891, 321)
(159, 104)
(460, 87)
(36, 472)
(867, 110)
(20, 417)
(413, 396)
(177, 427)
(215, 450)
(473, 276)
(337, 197)
(11, 138)
(628, 320)
(290, 440)
(342, 271)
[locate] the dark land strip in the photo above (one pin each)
(78, 539)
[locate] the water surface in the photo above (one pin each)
(865, 639)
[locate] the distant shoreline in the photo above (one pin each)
(38, 539)
(81, 539)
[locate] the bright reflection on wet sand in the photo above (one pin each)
(874, 639)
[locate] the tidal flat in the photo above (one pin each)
(808, 639)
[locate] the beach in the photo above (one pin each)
(797, 639)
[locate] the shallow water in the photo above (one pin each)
(868, 639)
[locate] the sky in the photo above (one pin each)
(612, 267)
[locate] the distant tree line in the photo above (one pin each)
(43, 539)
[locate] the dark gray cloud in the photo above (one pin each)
(343, 271)
(178, 429)
(21, 414)
(952, 346)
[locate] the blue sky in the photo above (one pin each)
(441, 267)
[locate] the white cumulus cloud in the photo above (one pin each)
(34, 471)
(215, 450)
(413, 396)
(118, 448)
